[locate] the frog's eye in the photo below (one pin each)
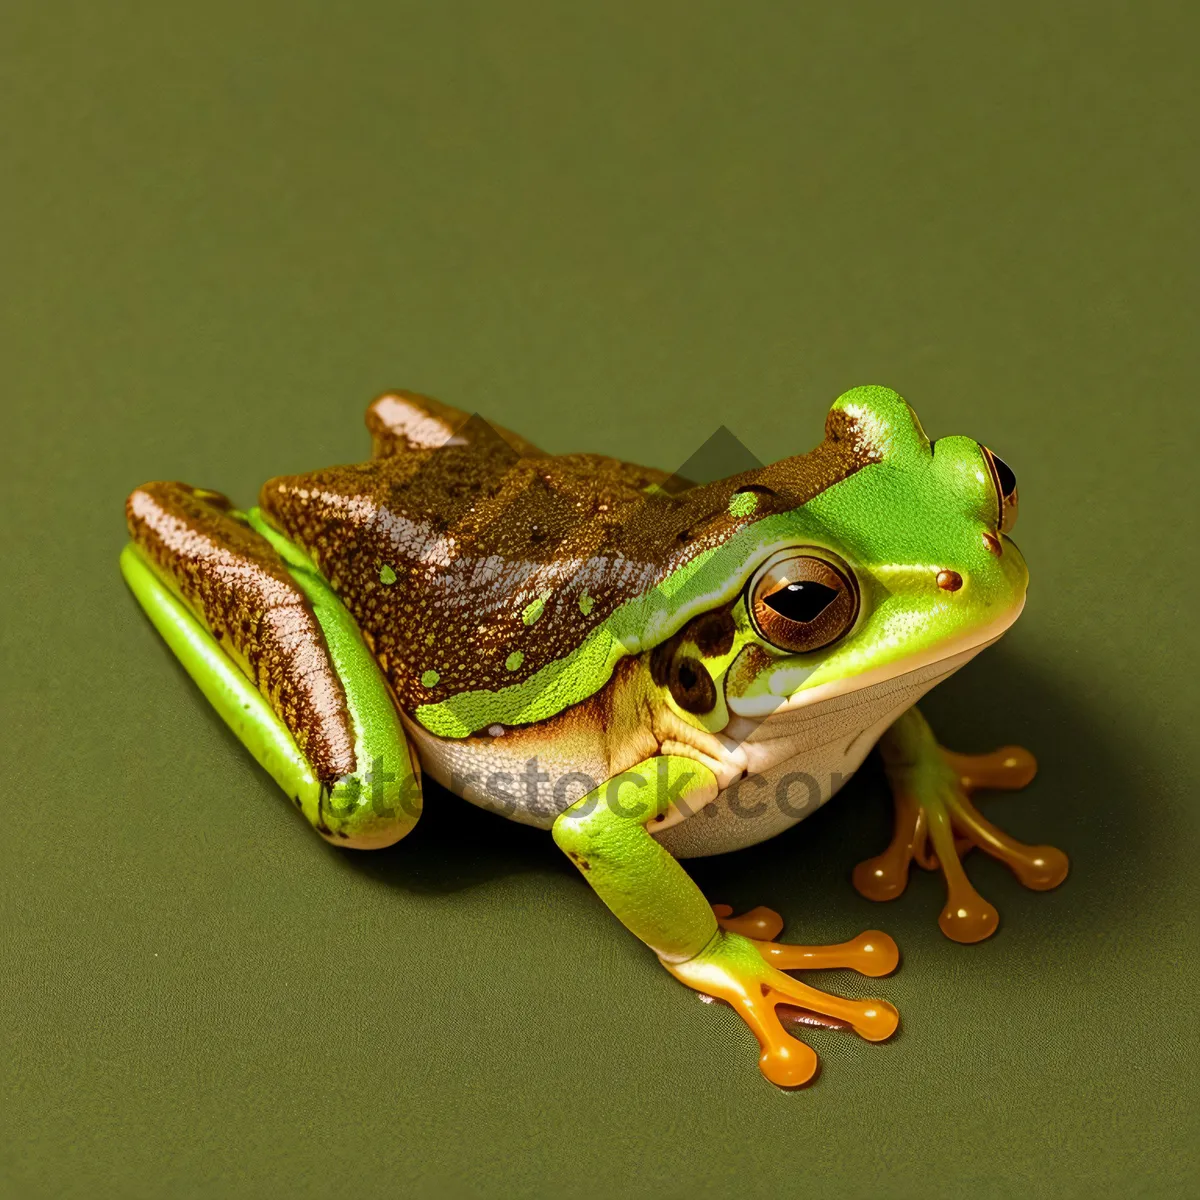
(1006, 489)
(801, 602)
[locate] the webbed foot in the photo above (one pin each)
(744, 966)
(936, 824)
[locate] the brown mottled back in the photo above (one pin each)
(471, 559)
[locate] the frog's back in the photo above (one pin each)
(471, 559)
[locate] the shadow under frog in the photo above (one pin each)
(1079, 800)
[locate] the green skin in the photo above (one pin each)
(897, 524)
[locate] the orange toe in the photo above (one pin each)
(762, 924)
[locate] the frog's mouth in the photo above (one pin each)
(761, 707)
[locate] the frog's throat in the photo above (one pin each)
(972, 642)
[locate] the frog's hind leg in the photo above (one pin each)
(936, 824)
(278, 656)
(732, 959)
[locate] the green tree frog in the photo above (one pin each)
(648, 669)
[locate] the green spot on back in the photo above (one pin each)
(585, 603)
(514, 660)
(386, 574)
(533, 610)
(430, 679)
(742, 504)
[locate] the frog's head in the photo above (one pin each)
(904, 563)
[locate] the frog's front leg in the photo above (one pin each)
(936, 823)
(606, 835)
(278, 656)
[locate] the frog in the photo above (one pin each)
(648, 668)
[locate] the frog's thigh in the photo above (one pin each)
(605, 835)
(279, 658)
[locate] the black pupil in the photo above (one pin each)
(803, 601)
(1004, 473)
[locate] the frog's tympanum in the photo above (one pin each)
(650, 670)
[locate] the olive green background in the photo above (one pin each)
(226, 226)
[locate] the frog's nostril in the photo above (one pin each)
(949, 581)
